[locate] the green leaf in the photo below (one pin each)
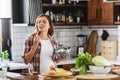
(83, 59)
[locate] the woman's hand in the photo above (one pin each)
(37, 39)
(60, 58)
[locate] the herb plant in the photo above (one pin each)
(82, 60)
(4, 55)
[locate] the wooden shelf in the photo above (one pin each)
(117, 22)
(62, 5)
(74, 23)
(117, 3)
(70, 23)
(46, 5)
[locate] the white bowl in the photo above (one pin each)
(75, 71)
(100, 70)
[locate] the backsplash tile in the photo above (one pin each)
(67, 37)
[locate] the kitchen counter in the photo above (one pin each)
(68, 61)
(115, 62)
(14, 65)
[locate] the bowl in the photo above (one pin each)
(63, 52)
(100, 70)
(75, 71)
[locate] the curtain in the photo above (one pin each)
(35, 8)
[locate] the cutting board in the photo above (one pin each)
(92, 41)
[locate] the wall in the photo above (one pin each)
(66, 36)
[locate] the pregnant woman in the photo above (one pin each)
(39, 47)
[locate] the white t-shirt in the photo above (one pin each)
(46, 55)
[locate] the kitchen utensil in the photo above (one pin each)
(82, 39)
(38, 30)
(105, 35)
(92, 41)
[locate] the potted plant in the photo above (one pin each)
(78, 15)
(4, 55)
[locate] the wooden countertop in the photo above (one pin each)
(93, 77)
(36, 77)
(78, 77)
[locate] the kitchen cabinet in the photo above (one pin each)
(25, 11)
(17, 11)
(100, 12)
(63, 13)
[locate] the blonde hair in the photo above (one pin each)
(51, 29)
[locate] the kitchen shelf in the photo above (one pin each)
(57, 11)
(117, 3)
(62, 5)
(74, 23)
(117, 22)
(70, 23)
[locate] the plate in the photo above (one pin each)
(56, 75)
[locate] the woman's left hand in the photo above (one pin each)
(60, 58)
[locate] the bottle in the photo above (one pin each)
(63, 1)
(69, 1)
(63, 16)
(53, 1)
(70, 19)
(4, 70)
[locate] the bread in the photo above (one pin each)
(116, 69)
(52, 67)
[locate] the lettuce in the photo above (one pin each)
(100, 61)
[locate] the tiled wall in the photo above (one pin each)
(119, 43)
(66, 36)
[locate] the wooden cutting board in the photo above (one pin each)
(92, 41)
(92, 77)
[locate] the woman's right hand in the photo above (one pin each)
(37, 39)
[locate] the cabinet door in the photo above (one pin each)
(93, 12)
(106, 12)
(100, 12)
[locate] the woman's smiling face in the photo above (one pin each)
(43, 24)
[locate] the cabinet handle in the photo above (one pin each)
(9, 44)
(100, 12)
(96, 13)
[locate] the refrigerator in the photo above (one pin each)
(5, 25)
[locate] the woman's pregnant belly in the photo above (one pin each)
(45, 63)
